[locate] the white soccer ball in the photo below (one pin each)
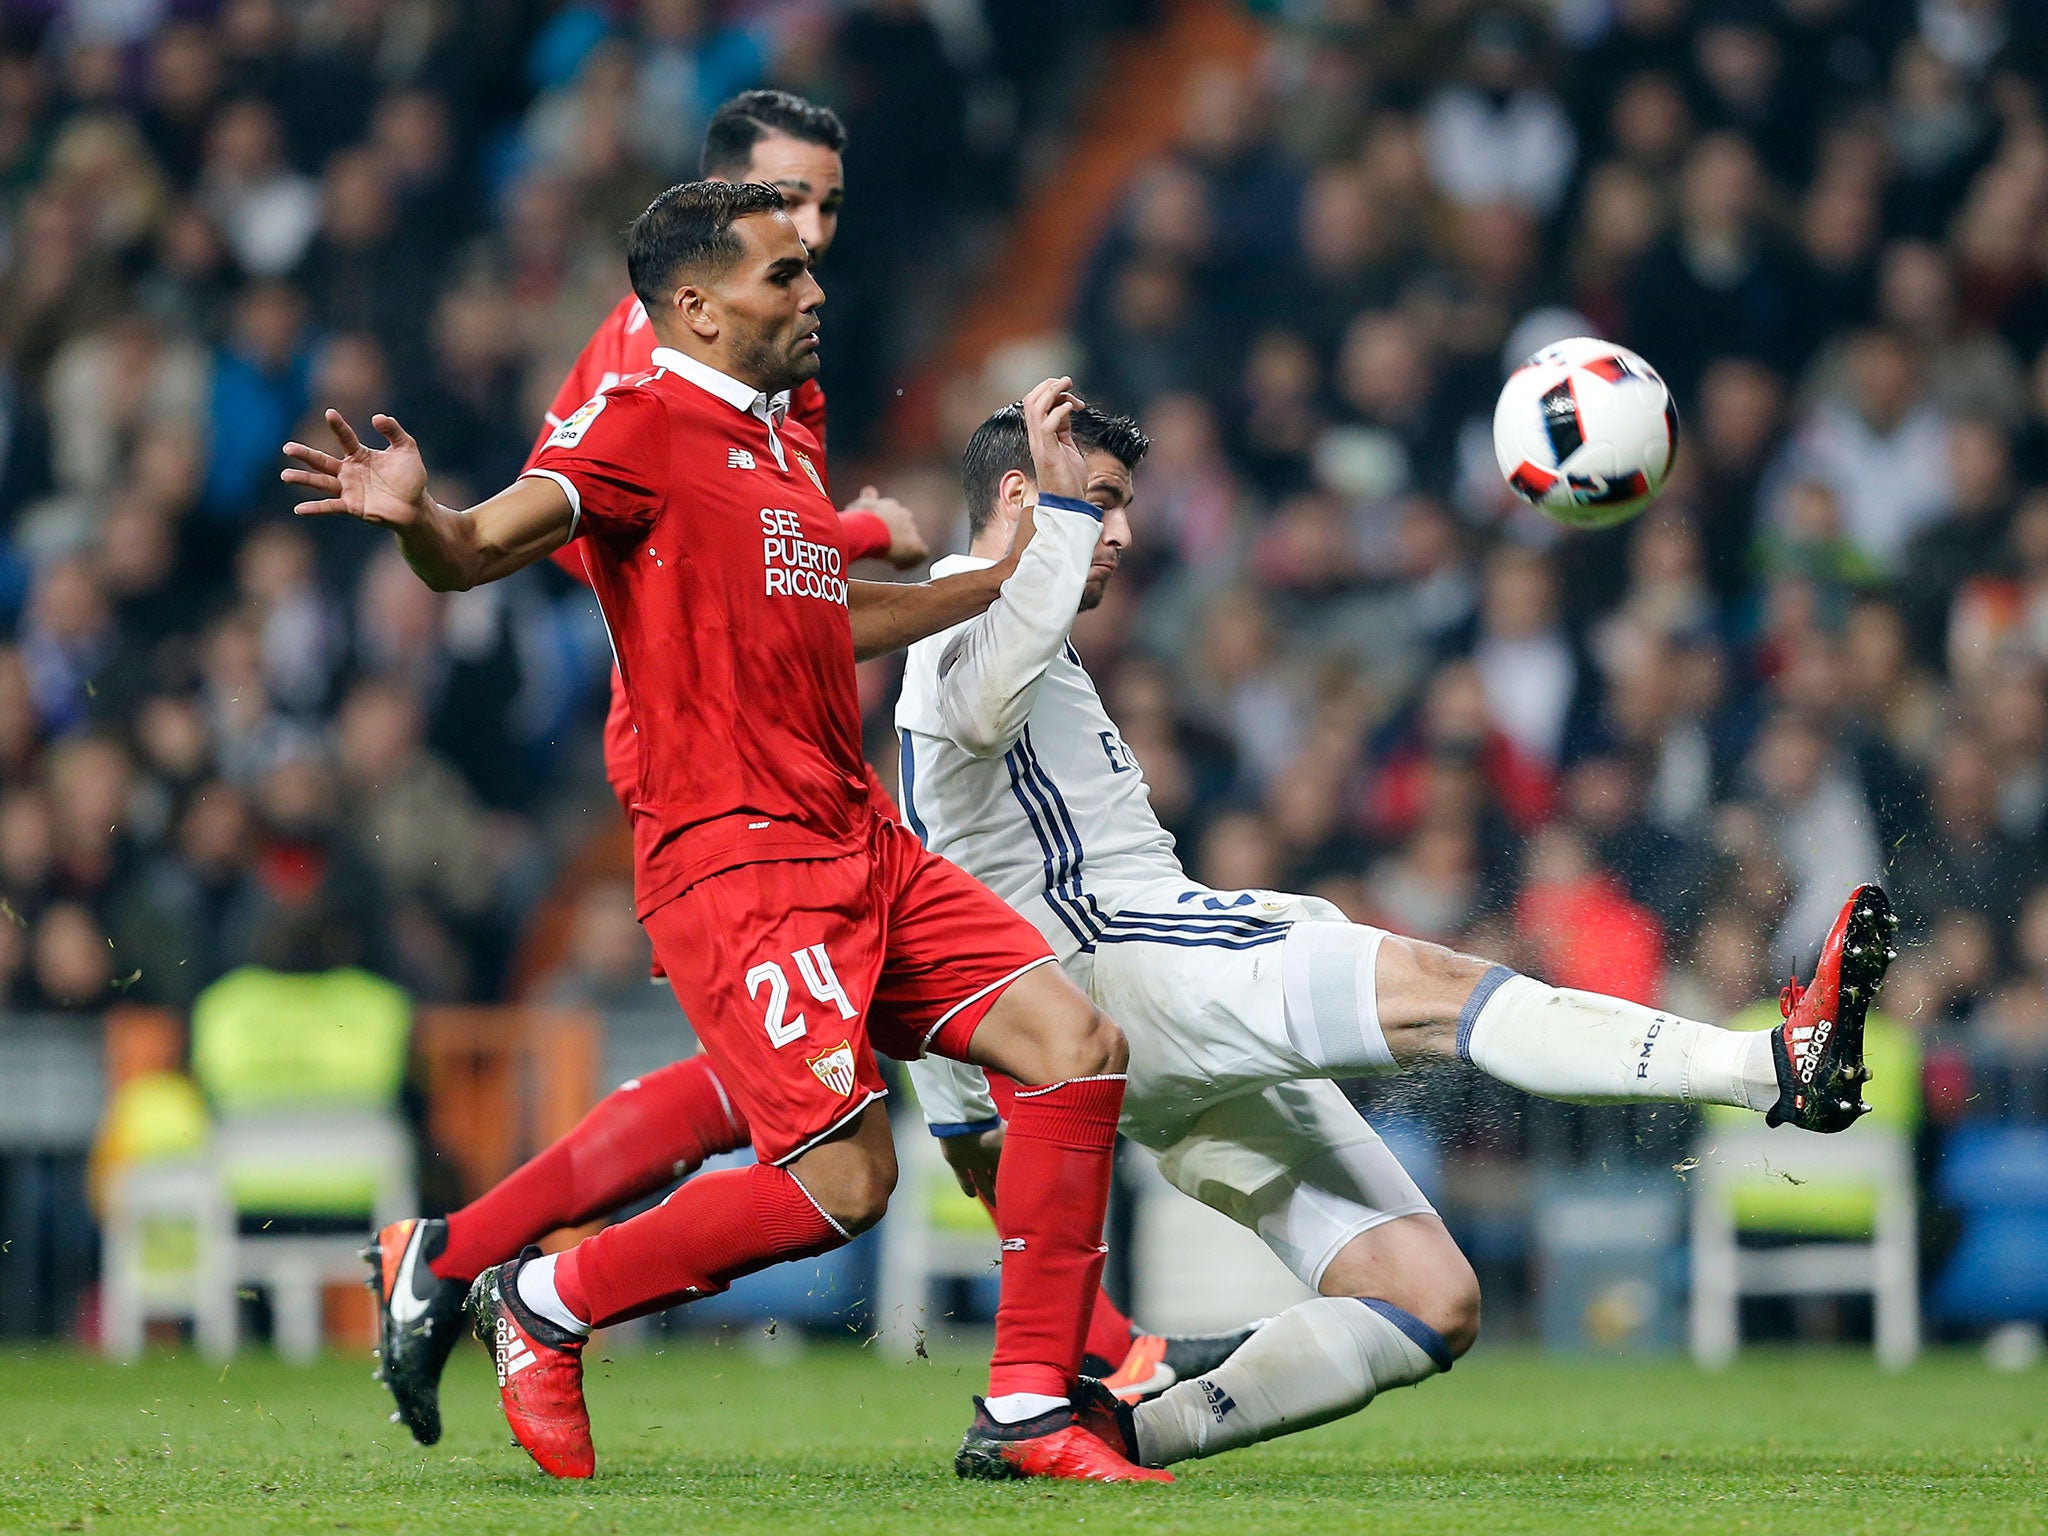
(1585, 432)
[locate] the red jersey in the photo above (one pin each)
(715, 556)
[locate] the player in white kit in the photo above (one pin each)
(1239, 1006)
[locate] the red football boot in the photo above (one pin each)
(1108, 1416)
(1818, 1050)
(1050, 1445)
(540, 1373)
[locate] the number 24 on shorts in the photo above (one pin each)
(815, 966)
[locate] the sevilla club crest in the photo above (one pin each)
(835, 1068)
(810, 469)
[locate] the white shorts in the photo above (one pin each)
(1220, 1091)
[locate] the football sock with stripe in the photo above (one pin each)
(694, 1244)
(1589, 1049)
(639, 1139)
(1110, 1330)
(1317, 1361)
(1052, 1192)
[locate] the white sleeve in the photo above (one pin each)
(954, 1096)
(989, 671)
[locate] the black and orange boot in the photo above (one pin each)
(419, 1318)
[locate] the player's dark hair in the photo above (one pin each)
(1001, 444)
(689, 228)
(752, 116)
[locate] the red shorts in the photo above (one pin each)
(795, 973)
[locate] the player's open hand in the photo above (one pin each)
(974, 1160)
(907, 547)
(387, 486)
(1049, 427)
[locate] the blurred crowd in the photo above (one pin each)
(227, 735)
(1648, 761)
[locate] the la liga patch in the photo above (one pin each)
(578, 421)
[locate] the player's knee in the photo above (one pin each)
(1457, 1308)
(1092, 1047)
(857, 1194)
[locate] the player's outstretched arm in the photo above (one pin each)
(451, 550)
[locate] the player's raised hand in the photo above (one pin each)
(1049, 428)
(386, 486)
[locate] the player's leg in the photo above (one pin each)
(1124, 1357)
(966, 977)
(1397, 1302)
(1359, 998)
(639, 1139)
(535, 1313)
(776, 963)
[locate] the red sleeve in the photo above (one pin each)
(611, 456)
(865, 535)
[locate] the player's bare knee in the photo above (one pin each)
(1095, 1047)
(855, 1193)
(1456, 1307)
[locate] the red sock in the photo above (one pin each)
(639, 1140)
(1109, 1331)
(1052, 1192)
(694, 1244)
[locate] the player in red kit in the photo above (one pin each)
(794, 146)
(799, 928)
(643, 1136)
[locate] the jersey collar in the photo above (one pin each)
(950, 565)
(741, 397)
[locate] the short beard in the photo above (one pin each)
(777, 371)
(1095, 590)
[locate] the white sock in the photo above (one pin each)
(1016, 1407)
(1589, 1049)
(537, 1290)
(1317, 1361)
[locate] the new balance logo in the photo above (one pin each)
(1013, 1245)
(738, 458)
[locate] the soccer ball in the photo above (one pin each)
(1585, 432)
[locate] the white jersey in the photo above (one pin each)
(1012, 769)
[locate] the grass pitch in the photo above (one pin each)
(715, 1439)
